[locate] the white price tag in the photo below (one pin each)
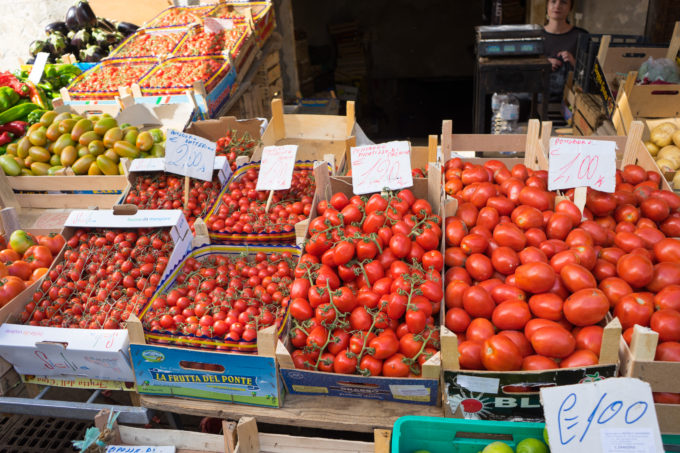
(215, 25)
(38, 67)
(577, 162)
(224, 169)
(139, 449)
(276, 169)
(150, 164)
(189, 155)
(600, 416)
(375, 167)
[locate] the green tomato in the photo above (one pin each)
(20, 241)
(497, 447)
(531, 445)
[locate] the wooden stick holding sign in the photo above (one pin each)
(190, 156)
(276, 170)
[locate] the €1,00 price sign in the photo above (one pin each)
(577, 162)
(276, 169)
(613, 415)
(376, 167)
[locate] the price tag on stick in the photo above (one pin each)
(611, 416)
(38, 67)
(375, 167)
(576, 162)
(276, 169)
(189, 155)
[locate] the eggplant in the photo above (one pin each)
(36, 47)
(92, 54)
(71, 20)
(56, 26)
(105, 24)
(81, 39)
(126, 28)
(56, 43)
(31, 60)
(84, 14)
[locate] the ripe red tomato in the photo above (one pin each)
(520, 341)
(667, 323)
(546, 306)
(553, 342)
(590, 337)
(668, 351)
(457, 320)
(667, 249)
(511, 315)
(470, 355)
(576, 277)
(635, 308)
(668, 297)
(538, 362)
(478, 303)
(499, 353)
(580, 358)
(637, 270)
(535, 277)
(479, 330)
(586, 307)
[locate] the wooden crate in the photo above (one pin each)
(422, 390)
(638, 102)
(241, 437)
(511, 148)
(637, 361)
(318, 136)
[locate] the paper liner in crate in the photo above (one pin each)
(219, 69)
(284, 234)
(115, 73)
(204, 342)
(172, 35)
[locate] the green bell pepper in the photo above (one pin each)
(8, 97)
(18, 112)
(35, 116)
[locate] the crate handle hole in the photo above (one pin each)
(199, 366)
(665, 92)
(634, 55)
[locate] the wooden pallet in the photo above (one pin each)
(239, 437)
(333, 413)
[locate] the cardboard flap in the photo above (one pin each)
(139, 114)
(51, 346)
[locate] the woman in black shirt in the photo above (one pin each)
(561, 39)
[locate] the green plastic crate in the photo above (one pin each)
(453, 435)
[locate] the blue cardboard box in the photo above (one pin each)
(236, 378)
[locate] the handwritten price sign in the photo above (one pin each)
(375, 167)
(576, 162)
(613, 415)
(189, 155)
(276, 169)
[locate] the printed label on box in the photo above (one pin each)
(139, 449)
(478, 384)
(409, 390)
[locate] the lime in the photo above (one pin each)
(531, 445)
(422, 451)
(497, 447)
(545, 436)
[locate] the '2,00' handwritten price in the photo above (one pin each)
(188, 158)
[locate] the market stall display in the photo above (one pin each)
(82, 34)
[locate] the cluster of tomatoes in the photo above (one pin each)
(242, 209)
(182, 73)
(223, 299)
(105, 276)
(530, 277)
(25, 259)
(368, 287)
(199, 42)
(233, 146)
(159, 190)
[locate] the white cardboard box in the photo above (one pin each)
(50, 351)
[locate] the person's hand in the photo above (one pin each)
(568, 57)
(555, 62)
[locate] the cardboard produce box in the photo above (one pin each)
(84, 353)
(246, 374)
(422, 390)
